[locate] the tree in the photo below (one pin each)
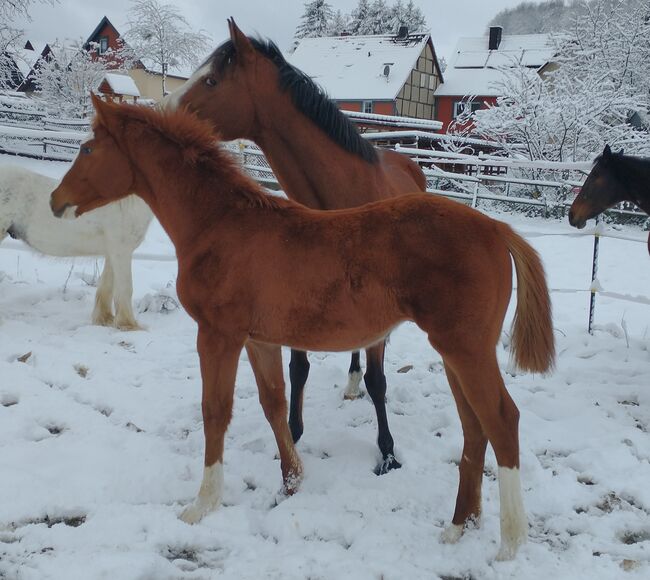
(161, 37)
(315, 20)
(338, 24)
(414, 18)
(65, 79)
(10, 11)
(600, 77)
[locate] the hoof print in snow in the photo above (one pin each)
(133, 427)
(586, 480)
(8, 401)
(49, 521)
(55, 429)
(81, 370)
(25, 357)
(630, 537)
(405, 369)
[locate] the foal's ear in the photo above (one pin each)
(240, 41)
(100, 108)
(607, 151)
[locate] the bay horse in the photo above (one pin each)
(614, 178)
(257, 271)
(248, 90)
(114, 231)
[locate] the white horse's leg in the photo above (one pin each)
(103, 313)
(123, 291)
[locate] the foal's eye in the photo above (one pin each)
(209, 81)
(86, 150)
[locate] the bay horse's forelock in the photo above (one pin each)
(259, 274)
(317, 155)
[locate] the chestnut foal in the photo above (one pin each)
(257, 272)
(248, 90)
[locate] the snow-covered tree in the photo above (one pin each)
(316, 20)
(161, 37)
(65, 79)
(358, 16)
(414, 18)
(599, 78)
(338, 24)
(10, 34)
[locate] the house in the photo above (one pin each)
(118, 87)
(31, 59)
(382, 74)
(473, 75)
(104, 41)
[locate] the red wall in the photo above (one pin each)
(445, 108)
(379, 107)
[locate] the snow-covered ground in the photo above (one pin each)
(101, 441)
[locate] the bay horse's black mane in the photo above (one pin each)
(308, 97)
(633, 172)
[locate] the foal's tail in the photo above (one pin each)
(533, 343)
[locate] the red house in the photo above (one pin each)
(473, 75)
(383, 74)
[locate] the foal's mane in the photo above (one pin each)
(308, 97)
(198, 147)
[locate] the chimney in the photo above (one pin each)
(403, 33)
(495, 37)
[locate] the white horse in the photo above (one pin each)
(113, 231)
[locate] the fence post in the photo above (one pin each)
(476, 186)
(594, 277)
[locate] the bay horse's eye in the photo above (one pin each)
(86, 150)
(210, 81)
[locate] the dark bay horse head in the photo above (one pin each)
(608, 183)
(239, 85)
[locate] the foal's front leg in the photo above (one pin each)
(219, 356)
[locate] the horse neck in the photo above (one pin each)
(185, 206)
(639, 182)
(312, 169)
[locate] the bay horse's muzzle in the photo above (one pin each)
(575, 221)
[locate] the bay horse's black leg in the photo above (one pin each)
(352, 391)
(298, 372)
(376, 385)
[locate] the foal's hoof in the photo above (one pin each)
(291, 482)
(195, 512)
(451, 534)
(388, 464)
(352, 390)
(103, 319)
(353, 396)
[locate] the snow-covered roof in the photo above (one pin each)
(476, 70)
(122, 84)
(26, 59)
(352, 67)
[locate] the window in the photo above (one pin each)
(461, 107)
(366, 106)
(103, 44)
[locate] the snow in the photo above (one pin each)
(122, 84)
(476, 70)
(101, 442)
(341, 64)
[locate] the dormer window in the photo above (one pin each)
(103, 45)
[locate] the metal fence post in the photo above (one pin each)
(475, 198)
(594, 278)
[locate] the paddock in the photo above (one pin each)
(102, 445)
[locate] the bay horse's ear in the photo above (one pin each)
(607, 151)
(621, 152)
(240, 41)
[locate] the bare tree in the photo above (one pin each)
(161, 36)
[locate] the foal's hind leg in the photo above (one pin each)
(376, 386)
(352, 391)
(483, 388)
(468, 500)
(266, 361)
(298, 373)
(103, 310)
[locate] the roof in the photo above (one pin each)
(122, 84)
(26, 59)
(102, 23)
(476, 70)
(352, 67)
